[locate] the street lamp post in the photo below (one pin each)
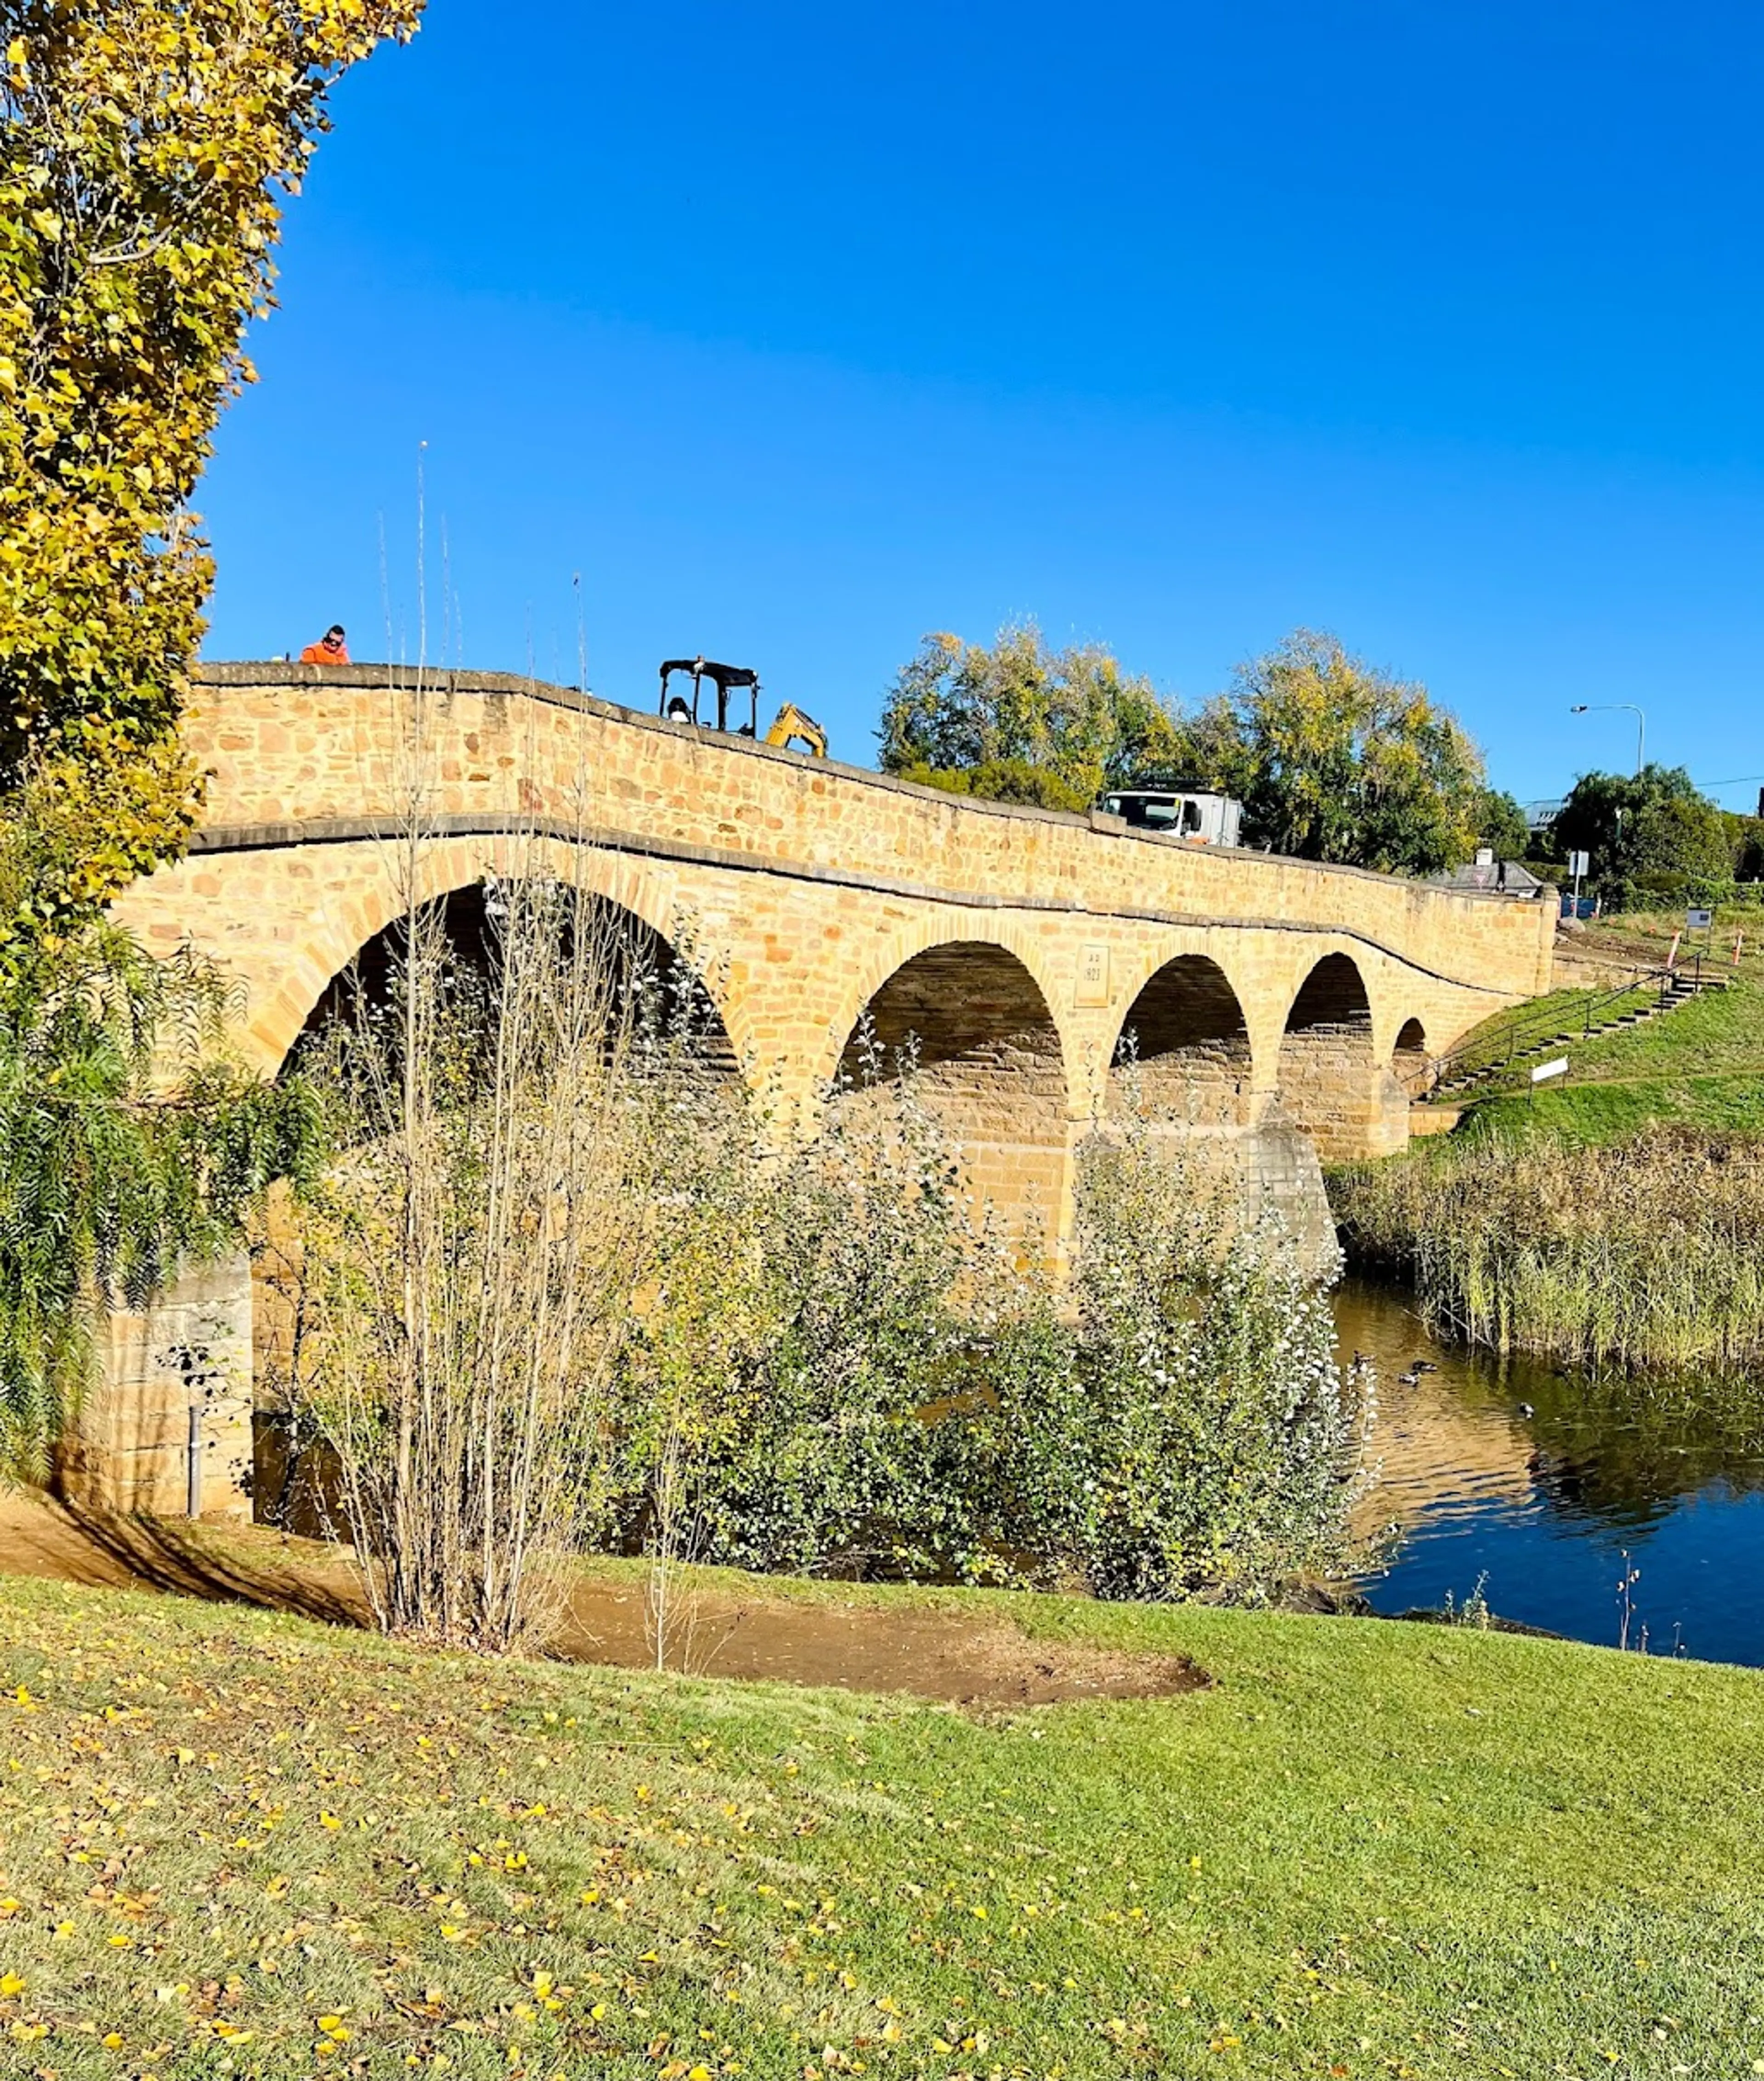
(1611, 707)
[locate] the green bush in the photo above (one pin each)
(1664, 891)
(1003, 780)
(806, 1321)
(1191, 1431)
(840, 1376)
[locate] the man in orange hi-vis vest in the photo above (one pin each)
(330, 650)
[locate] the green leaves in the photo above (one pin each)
(1656, 823)
(127, 1145)
(1022, 723)
(1335, 760)
(1501, 826)
(1188, 1430)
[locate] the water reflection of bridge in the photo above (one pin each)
(1436, 1454)
(1442, 1445)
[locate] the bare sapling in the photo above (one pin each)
(471, 1254)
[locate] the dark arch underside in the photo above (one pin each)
(1184, 1048)
(964, 1003)
(643, 971)
(1332, 996)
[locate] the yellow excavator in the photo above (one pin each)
(791, 725)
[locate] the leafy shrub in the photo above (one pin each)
(129, 1147)
(1666, 891)
(803, 1315)
(1191, 1431)
(878, 1389)
(1003, 780)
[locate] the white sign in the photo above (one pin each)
(1580, 864)
(1698, 921)
(1093, 976)
(1545, 1071)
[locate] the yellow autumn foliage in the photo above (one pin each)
(145, 149)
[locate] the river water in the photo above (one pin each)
(1543, 1507)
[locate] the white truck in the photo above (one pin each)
(1193, 813)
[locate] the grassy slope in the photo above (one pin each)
(1599, 1111)
(1534, 1019)
(1371, 1850)
(1702, 1064)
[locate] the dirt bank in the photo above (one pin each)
(720, 1632)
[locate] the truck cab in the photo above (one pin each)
(1179, 812)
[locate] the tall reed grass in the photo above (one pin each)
(1643, 1253)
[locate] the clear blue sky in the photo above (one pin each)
(801, 331)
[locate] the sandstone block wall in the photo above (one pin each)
(131, 1448)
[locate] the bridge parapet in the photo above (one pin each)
(307, 747)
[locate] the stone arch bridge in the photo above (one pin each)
(1272, 1002)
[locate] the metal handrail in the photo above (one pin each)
(1437, 1068)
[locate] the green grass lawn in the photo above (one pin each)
(234, 1843)
(1604, 1110)
(1702, 1064)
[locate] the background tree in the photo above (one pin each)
(1024, 723)
(1748, 834)
(143, 146)
(1335, 760)
(1500, 825)
(1652, 823)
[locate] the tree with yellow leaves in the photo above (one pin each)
(144, 149)
(1023, 722)
(1335, 760)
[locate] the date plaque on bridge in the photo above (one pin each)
(1092, 975)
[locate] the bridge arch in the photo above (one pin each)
(644, 923)
(1408, 1056)
(647, 977)
(1183, 1049)
(990, 1066)
(1328, 1066)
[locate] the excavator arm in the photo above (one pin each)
(790, 724)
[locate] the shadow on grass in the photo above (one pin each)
(166, 1554)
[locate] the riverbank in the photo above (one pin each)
(1610, 1217)
(1640, 1252)
(1364, 1849)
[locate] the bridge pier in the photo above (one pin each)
(172, 1384)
